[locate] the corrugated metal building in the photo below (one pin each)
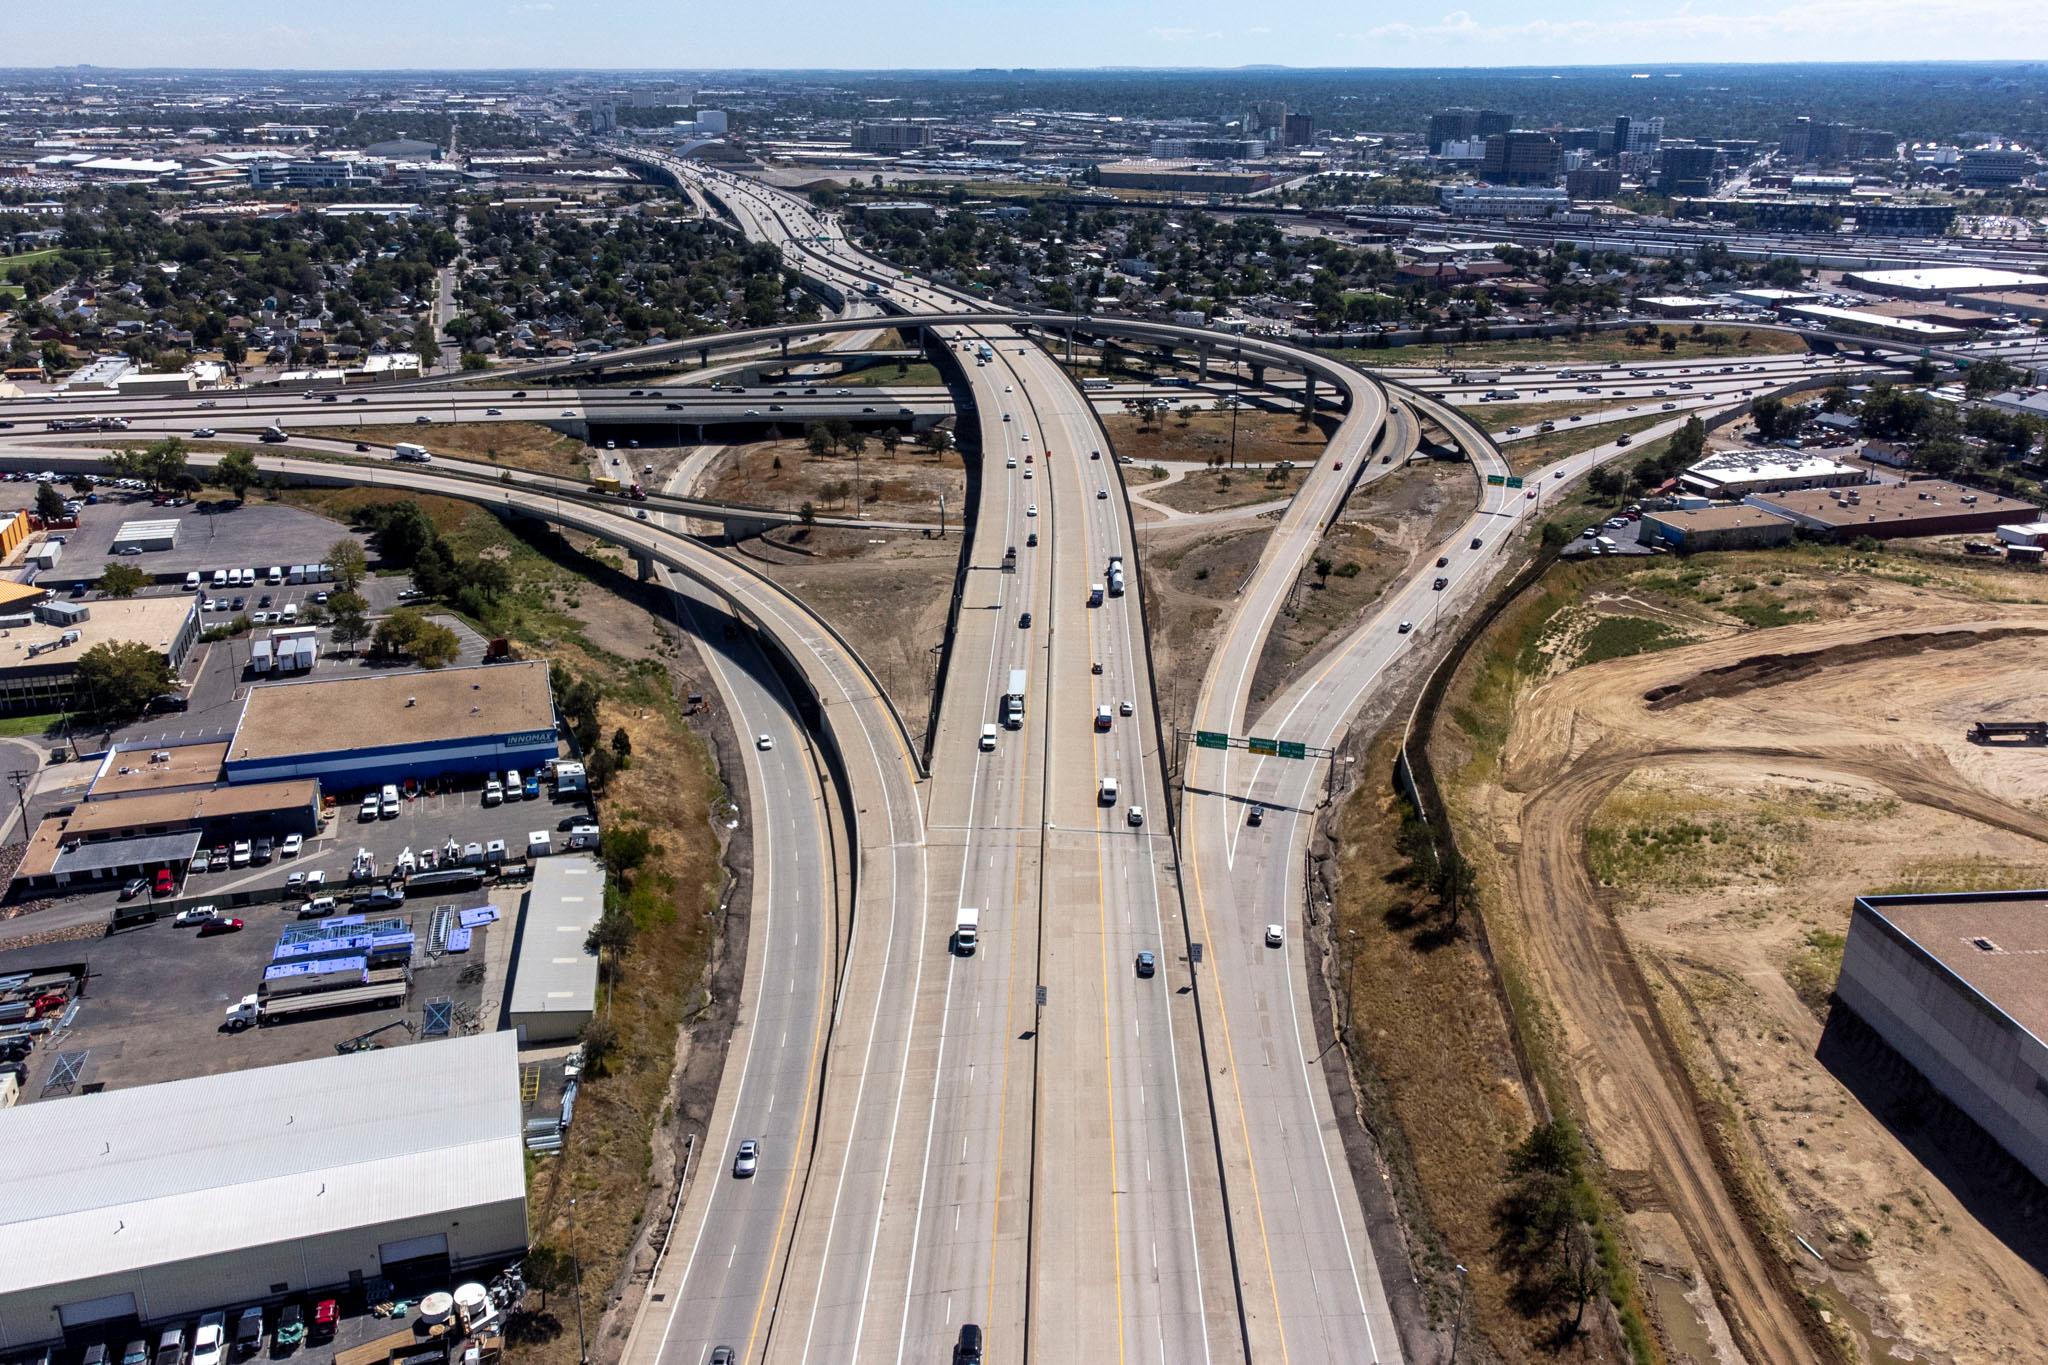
(554, 975)
(1954, 984)
(164, 1201)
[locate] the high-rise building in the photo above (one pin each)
(1989, 166)
(1637, 134)
(1301, 130)
(1580, 139)
(1520, 157)
(1593, 182)
(1491, 121)
(1268, 121)
(604, 117)
(890, 135)
(1689, 169)
(1452, 125)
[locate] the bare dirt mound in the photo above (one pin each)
(1772, 670)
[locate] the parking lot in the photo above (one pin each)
(211, 535)
(155, 997)
(216, 677)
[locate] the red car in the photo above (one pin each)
(165, 883)
(326, 1314)
(218, 925)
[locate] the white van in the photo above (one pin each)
(275, 576)
(514, 788)
(220, 578)
(494, 792)
(390, 802)
(1103, 719)
(192, 581)
(1107, 793)
(290, 613)
(988, 738)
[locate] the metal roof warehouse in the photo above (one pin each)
(357, 732)
(168, 1200)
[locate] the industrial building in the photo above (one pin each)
(1933, 282)
(1860, 322)
(1503, 201)
(1924, 507)
(1691, 530)
(1676, 305)
(1183, 179)
(554, 973)
(165, 1201)
(1953, 984)
(105, 841)
(43, 642)
(144, 536)
(1731, 474)
(357, 732)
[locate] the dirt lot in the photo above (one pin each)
(1213, 490)
(1262, 438)
(1385, 530)
(1495, 416)
(1677, 874)
(520, 445)
(905, 486)
(888, 593)
(1191, 576)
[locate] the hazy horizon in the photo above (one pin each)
(1073, 35)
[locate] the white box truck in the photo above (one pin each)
(967, 931)
(1013, 701)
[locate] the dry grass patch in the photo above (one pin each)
(519, 445)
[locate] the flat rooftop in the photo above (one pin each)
(388, 711)
(1716, 518)
(1940, 279)
(1894, 502)
(155, 621)
(1997, 947)
(136, 772)
(1766, 462)
(554, 970)
(1818, 312)
(212, 1166)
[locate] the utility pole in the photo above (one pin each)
(20, 778)
(576, 1268)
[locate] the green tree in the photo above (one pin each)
(807, 514)
(345, 557)
(348, 615)
(237, 473)
(622, 745)
(160, 464)
(1667, 343)
(49, 502)
(817, 438)
(475, 360)
(122, 580)
(115, 680)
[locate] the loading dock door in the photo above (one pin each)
(415, 1257)
(86, 1312)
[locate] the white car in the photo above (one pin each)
(764, 742)
(1032, 510)
(201, 433)
(291, 845)
(1275, 935)
(209, 1343)
(198, 914)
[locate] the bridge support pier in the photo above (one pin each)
(785, 347)
(1258, 374)
(1308, 393)
(704, 357)
(1202, 362)
(643, 566)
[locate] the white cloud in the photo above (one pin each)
(1181, 35)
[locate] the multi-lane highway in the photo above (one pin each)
(1076, 1136)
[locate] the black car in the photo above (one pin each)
(968, 1351)
(1145, 965)
(263, 851)
(519, 393)
(1024, 621)
(1257, 815)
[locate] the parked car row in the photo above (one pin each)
(216, 1341)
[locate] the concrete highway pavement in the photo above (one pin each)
(1311, 1283)
(721, 1261)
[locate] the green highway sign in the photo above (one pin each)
(1494, 480)
(1293, 748)
(1514, 481)
(1211, 739)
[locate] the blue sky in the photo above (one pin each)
(1043, 33)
